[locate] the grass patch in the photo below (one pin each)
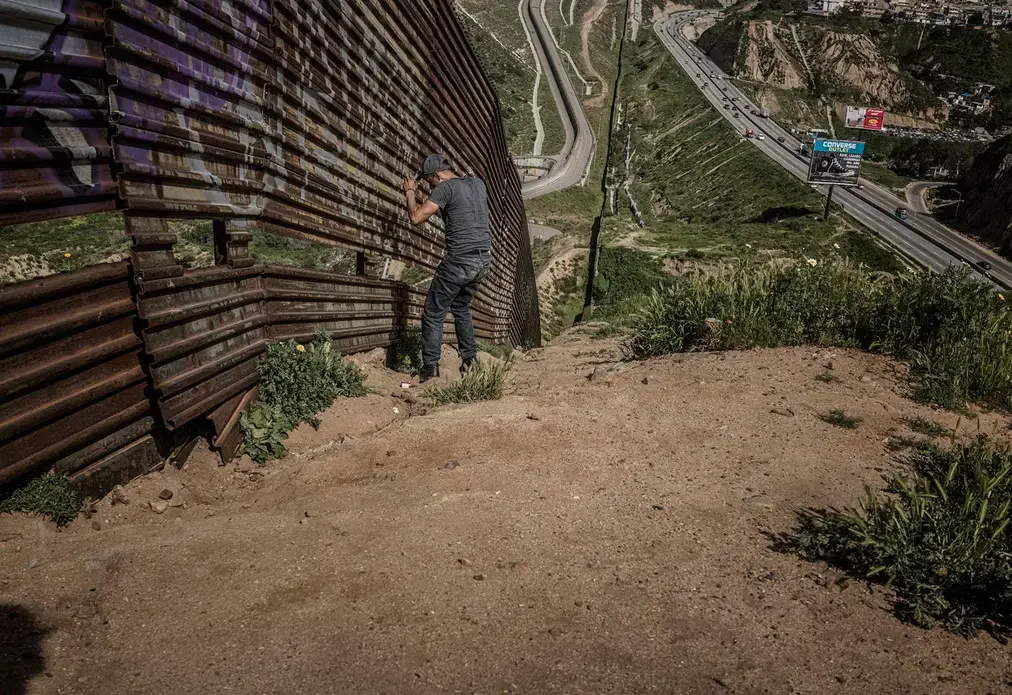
(952, 330)
(485, 382)
(905, 443)
(929, 428)
(939, 537)
(407, 354)
(840, 419)
(884, 176)
(503, 351)
(827, 377)
(296, 383)
(47, 495)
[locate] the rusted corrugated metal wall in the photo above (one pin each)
(73, 389)
(296, 117)
(54, 111)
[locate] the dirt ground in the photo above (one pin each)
(605, 528)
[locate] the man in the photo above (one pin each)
(461, 202)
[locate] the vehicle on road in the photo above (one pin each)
(984, 265)
(699, 74)
(764, 113)
(736, 114)
(760, 136)
(749, 133)
(901, 213)
(734, 98)
(727, 106)
(713, 75)
(781, 139)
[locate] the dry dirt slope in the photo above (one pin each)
(583, 535)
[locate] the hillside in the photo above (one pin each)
(706, 195)
(788, 60)
(606, 527)
(987, 191)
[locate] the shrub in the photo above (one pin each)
(953, 330)
(48, 495)
(303, 380)
(407, 357)
(264, 429)
(296, 382)
(840, 419)
(939, 537)
(929, 428)
(484, 382)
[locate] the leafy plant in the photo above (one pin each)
(47, 495)
(296, 383)
(265, 428)
(840, 419)
(484, 382)
(939, 537)
(303, 380)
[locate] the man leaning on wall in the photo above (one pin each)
(462, 203)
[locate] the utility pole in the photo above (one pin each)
(829, 199)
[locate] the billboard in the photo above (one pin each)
(864, 118)
(836, 161)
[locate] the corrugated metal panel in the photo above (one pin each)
(359, 313)
(54, 111)
(204, 332)
(72, 384)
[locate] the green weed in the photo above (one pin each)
(952, 330)
(296, 383)
(407, 354)
(840, 419)
(928, 428)
(265, 428)
(46, 495)
(303, 380)
(485, 382)
(939, 538)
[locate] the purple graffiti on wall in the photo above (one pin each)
(54, 129)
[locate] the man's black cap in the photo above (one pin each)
(433, 164)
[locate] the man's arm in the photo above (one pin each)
(417, 213)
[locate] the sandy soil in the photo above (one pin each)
(605, 528)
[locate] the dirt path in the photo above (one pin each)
(586, 26)
(603, 529)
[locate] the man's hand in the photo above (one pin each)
(417, 213)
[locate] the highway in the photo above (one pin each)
(921, 238)
(576, 154)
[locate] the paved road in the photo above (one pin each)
(579, 147)
(921, 238)
(915, 195)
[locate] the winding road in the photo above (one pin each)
(574, 159)
(921, 238)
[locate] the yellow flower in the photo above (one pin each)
(67, 255)
(1001, 296)
(300, 348)
(812, 262)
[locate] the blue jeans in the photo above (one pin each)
(452, 289)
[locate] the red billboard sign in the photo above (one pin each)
(865, 118)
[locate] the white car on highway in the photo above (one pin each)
(760, 136)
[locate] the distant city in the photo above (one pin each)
(936, 13)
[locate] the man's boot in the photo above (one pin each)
(428, 372)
